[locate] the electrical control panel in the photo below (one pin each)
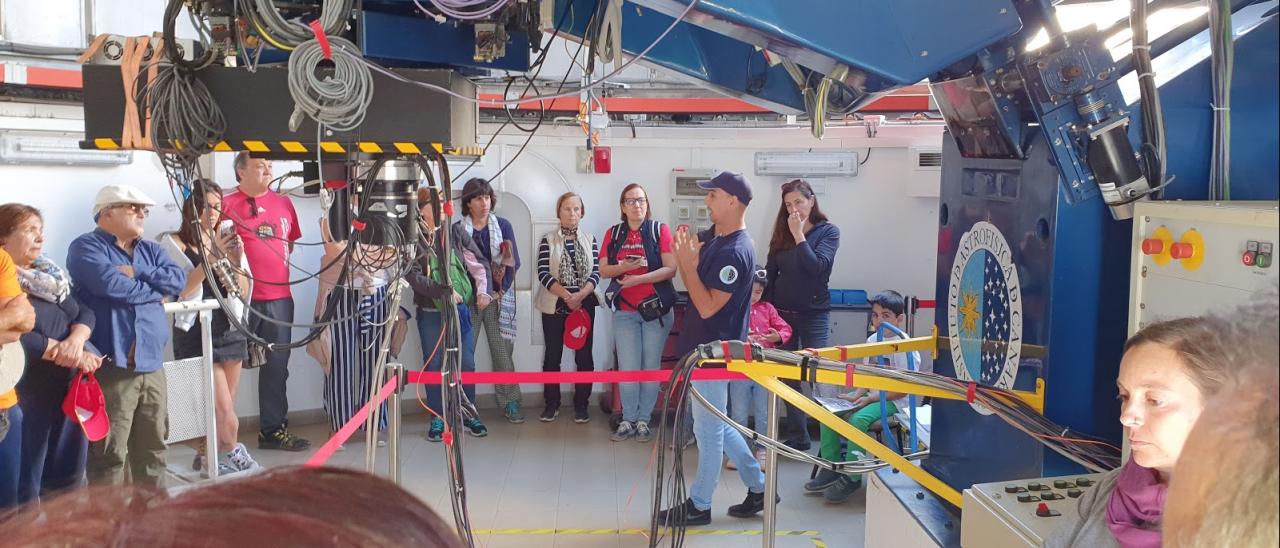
(688, 205)
(1022, 512)
(1190, 258)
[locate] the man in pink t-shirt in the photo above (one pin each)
(268, 226)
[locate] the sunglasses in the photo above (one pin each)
(797, 186)
(138, 209)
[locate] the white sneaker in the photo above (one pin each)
(239, 459)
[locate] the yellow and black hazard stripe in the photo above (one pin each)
(302, 147)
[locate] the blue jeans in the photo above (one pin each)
(429, 327)
(639, 345)
(54, 449)
(10, 458)
(809, 330)
(715, 439)
(747, 398)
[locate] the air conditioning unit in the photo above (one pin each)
(926, 159)
(924, 171)
(56, 150)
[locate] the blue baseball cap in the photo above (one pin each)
(730, 182)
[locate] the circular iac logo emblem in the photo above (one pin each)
(984, 310)
(728, 275)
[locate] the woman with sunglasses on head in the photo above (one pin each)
(802, 253)
(196, 240)
(638, 255)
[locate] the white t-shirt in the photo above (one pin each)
(899, 361)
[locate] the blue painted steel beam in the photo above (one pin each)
(886, 44)
(413, 40)
(717, 61)
(1255, 107)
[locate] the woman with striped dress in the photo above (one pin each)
(361, 313)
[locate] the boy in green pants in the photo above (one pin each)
(886, 307)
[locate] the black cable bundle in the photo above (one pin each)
(677, 436)
(1153, 143)
(536, 67)
(454, 400)
(184, 117)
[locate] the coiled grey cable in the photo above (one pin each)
(338, 101)
(333, 19)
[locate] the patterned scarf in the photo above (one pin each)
(45, 280)
(507, 312)
(575, 268)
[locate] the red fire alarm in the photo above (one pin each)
(602, 160)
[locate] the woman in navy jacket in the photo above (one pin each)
(53, 446)
(802, 253)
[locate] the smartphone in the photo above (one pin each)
(226, 227)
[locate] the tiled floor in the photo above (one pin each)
(563, 475)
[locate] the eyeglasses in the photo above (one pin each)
(138, 209)
(634, 201)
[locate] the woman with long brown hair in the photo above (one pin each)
(802, 253)
(196, 240)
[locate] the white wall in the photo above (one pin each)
(888, 240)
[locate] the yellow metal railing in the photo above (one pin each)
(768, 373)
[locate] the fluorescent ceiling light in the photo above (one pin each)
(832, 163)
(59, 150)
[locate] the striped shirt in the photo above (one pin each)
(570, 246)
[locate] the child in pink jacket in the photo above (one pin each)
(768, 329)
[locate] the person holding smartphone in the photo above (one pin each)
(201, 237)
(638, 255)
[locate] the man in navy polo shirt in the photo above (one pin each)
(717, 273)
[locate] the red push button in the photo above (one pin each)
(1152, 246)
(1181, 251)
(1044, 511)
(1248, 258)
